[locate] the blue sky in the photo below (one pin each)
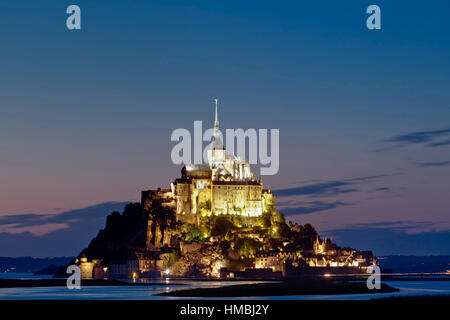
(86, 116)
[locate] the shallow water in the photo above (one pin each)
(407, 288)
(24, 276)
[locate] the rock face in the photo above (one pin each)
(159, 223)
(160, 217)
(201, 259)
(136, 229)
(122, 234)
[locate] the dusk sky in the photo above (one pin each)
(364, 115)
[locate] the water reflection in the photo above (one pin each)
(131, 292)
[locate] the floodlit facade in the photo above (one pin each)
(223, 186)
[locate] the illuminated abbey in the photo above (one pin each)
(216, 220)
(223, 186)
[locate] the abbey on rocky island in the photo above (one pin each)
(216, 220)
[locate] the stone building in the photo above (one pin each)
(223, 186)
(149, 261)
(269, 260)
(324, 246)
(127, 268)
(274, 260)
(89, 269)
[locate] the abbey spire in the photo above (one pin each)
(216, 119)
(218, 144)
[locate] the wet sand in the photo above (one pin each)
(291, 287)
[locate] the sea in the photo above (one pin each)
(408, 287)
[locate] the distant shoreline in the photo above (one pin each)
(30, 283)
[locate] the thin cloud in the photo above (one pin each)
(439, 144)
(61, 234)
(83, 215)
(395, 225)
(368, 178)
(322, 189)
(311, 207)
(433, 164)
(327, 189)
(427, 138)
(419, 137)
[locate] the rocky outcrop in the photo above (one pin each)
(159, 224)
(160, 219)
(203, 261)
(121, 236)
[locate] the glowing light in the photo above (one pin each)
(167, 272)
(216, 269)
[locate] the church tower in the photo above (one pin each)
(216, 119)
(217, 155)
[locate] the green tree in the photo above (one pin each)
(265, 220)
(248, 247)
(171, 259)
(195, 233)
(221, 225)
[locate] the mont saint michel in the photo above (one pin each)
(217, 220)
(172, 151)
